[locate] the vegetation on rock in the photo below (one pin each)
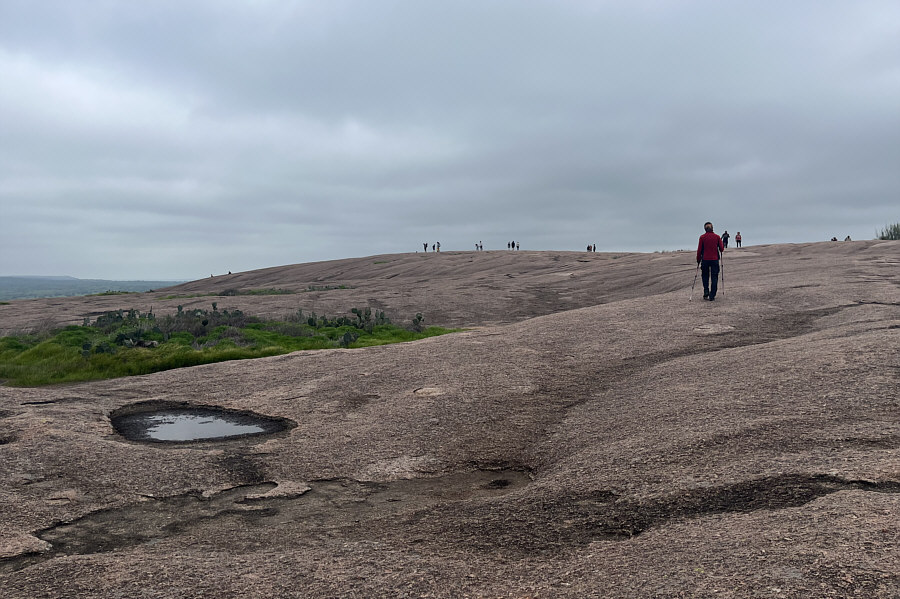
(128, 342)
(890, 232)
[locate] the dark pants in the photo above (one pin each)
(707, 268)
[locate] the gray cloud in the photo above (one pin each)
(171, 140)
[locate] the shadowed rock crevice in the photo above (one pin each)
(782, 439)
(554, 526)
(538, 527)
(58, 400)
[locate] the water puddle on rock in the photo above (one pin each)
(156, 422)
(188, 426)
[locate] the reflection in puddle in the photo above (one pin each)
(185, 426)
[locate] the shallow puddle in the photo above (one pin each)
(181, 423)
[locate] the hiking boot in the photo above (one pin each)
(706, 295)
(712, 298)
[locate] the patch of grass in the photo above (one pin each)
(126, 342)
(111, 292)
(4, 303)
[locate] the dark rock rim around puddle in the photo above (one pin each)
(134, 421)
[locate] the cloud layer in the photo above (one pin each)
(175, 140)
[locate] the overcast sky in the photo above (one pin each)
(173, 140)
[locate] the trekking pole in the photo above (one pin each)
(694, 283)
(722, 269)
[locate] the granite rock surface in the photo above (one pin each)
(595, 431)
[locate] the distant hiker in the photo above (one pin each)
(480, 246)
(517, 245)
(847, 238)
(737, 239)
(588, 248)
(594, 248)
(834, 239)
(439, 246)
(709, 250)
(425, 245)
(725, 237)
(432, 247)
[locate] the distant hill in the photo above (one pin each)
(27, 287)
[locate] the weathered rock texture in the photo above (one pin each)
(592, 434)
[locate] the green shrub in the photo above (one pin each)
(126, 342)
(890, 232)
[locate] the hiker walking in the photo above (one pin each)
(438, 246)
(725, 238)
(737, 239)
(709, 250)
(425, 245)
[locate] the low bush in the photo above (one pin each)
(127, 342)
(890, 232)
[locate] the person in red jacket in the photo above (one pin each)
(709, 250)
